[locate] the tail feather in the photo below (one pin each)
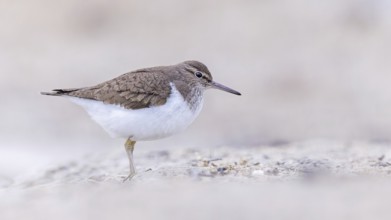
(59, 92)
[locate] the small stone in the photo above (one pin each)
(243, 162)
(272, 172)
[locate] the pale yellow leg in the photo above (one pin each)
(129, 147)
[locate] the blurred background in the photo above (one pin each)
(306, 69)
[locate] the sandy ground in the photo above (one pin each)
(314, 179)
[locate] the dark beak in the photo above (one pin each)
(224, 88)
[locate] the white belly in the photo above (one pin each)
(143, 124)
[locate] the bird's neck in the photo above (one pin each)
(191, 92)
(194, 98)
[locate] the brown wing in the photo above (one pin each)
(134, 90)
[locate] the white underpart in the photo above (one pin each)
(143, 124)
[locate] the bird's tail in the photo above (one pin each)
(59, 92)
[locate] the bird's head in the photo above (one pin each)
(199, 73)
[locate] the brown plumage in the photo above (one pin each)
(144, 87)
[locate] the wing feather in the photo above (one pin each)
(134, 90)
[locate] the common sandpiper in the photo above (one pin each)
(146, 104)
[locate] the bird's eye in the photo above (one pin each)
(198, 74)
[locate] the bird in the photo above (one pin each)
(146, 104)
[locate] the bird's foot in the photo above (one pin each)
(129, 177)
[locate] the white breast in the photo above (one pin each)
(143, 124)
